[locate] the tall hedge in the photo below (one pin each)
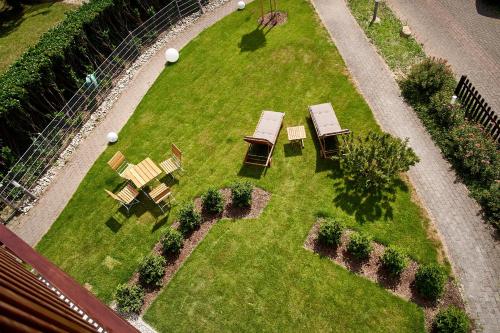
(44, 78)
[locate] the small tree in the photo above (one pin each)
(212, 201)
(451, 320)
(430, 281)
(241, 193)
(172, 241)
(189, 219)
(373, 162)
(330, 232)
(360, 246)
(151, 270)
(129, 299)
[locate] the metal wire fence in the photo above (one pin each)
(18, 184)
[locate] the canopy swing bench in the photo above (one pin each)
(261, 143)
(327, 128)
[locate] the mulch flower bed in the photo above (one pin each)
(273, 19)
(373, 270)
(260, 199)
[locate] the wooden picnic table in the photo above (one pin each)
(296, 134)
(142, 173)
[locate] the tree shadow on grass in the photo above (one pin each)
(253, 41)
(11, 20)
(367, 206)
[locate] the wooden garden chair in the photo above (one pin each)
(127, 196)
(174, 163)
(119, 164)
(162, 196)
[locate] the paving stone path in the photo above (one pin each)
(466, 33)
(470, 244)
(32, 226)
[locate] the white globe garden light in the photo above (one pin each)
(172, 55)
(241, 5)
(112, 137)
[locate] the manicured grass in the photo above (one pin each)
(399, 52)
(251, 275)
(18, 34)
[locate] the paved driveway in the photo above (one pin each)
(466, 32)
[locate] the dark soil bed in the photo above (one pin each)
(373, 270)
(273, 19)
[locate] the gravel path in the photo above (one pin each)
(33, 225)
(474, 253)
(466, 33)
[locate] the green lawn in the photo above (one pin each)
(18, 34)
(251, 275)
(399, 52)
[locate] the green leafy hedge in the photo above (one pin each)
(44, 78)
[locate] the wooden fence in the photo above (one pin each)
(476, 109)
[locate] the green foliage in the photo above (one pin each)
(489, 198)
(373, 162)
(241, 193)
(430, 281)
(360, 246)
(129, 299)
(445, 114)
(151, 270)
(427, 78)
(451, 320)
(394, 260)
(212, 201)
(330, 232)
(477, 153)
(172, 241)
(189, 219)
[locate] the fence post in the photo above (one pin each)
(459, 85)
(201, 7)
(178, 10)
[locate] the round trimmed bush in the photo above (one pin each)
(129, 299)
(241, 193)
(359, 246)
(151, 270)
(189, 219)
(212, 201)
(172, 241)
(451, 320)
(430, 281)
(427, 78)
(330, 232)
(394, 260)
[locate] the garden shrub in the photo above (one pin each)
(151, 270)
(394, 260)
(477, 154)
(451, 320)
(359, 246)
(330, 232)
(489, 198)
(430, 281)
(373, 162)
(445, 114)
(241, 193)
(172, 241)
(427, 78)
(189, 219)
(129, 299)
(212, 201)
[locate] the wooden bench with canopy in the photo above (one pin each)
(263, 140)
(327, 128)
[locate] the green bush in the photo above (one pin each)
(477, 153)
(451, 320)
(241, 193)
(189, 219)
(129, 299)
(373, 162)
(172, 241)
(330, 232)
(489, 199)
(359, 246)
(427, 78)
(212, 201)
(151, 270)
(445, 114)
(394, 260)
(430, 281)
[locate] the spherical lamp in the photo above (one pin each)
(241, 5)
(172, 55)
(112, 137)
